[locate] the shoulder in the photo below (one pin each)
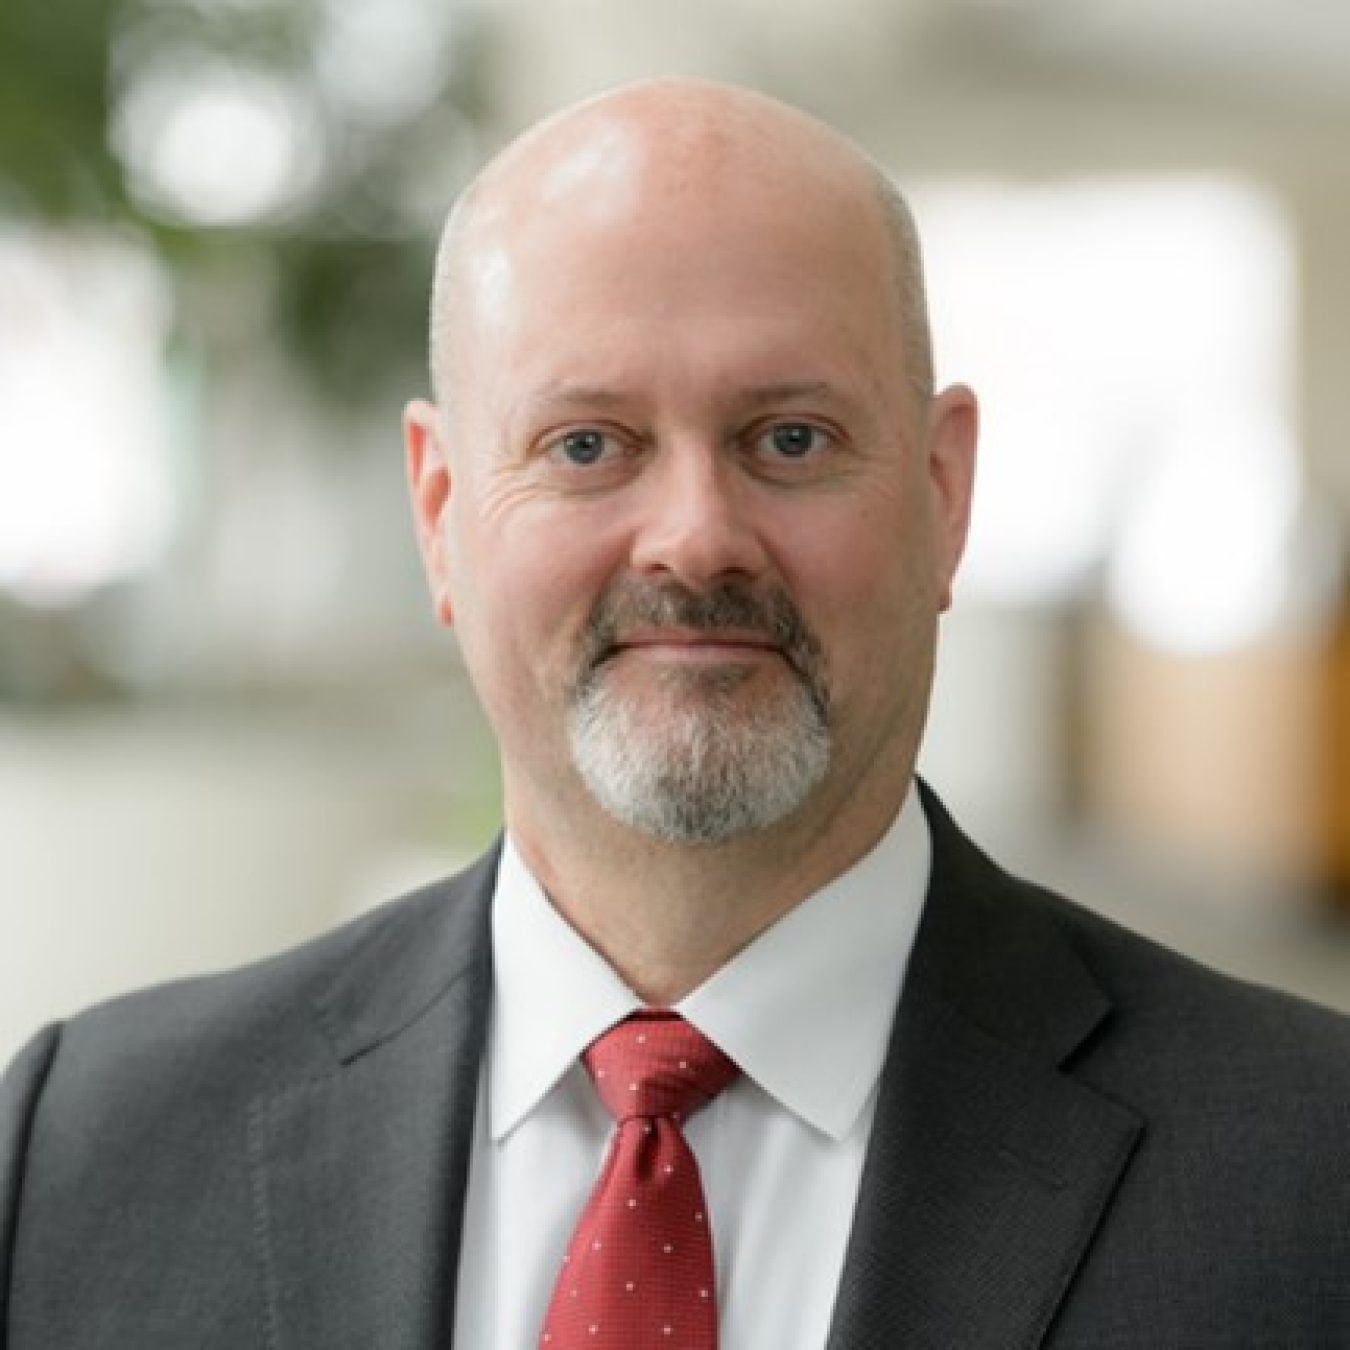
(1013, 954)
(1178, 1020)
(1143, 975)
(290, 1014)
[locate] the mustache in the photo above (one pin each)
(768, 611)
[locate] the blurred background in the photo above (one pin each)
(227, 717)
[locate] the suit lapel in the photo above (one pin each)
(360, 1169)
(990, 1166)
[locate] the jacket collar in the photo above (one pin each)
(360, 1168)
(991, 1165)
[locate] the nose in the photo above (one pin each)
(700, 520)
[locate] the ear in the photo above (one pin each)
(953, 432)
(428, 469)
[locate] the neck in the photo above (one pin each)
(668, 916)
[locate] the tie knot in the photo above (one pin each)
(656, 1064)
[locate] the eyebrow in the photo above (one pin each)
(788, 391)
(582, 396)
(562, 397)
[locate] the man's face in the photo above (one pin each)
(697, 533)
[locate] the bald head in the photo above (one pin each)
(629, 155)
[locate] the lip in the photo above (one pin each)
(698, 646)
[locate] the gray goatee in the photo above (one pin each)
(687, 761)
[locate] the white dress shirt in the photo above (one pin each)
(805, 1011)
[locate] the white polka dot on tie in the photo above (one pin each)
(667, 1331)
(667, 1249)
(632, 1202)
(698, 1218)
(630, 1286)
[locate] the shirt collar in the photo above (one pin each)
(553, 994)
(805, 1010)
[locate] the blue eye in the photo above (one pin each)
(794, 440)
(583, 447)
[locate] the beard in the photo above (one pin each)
(693, 760)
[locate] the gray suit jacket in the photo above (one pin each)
(1081, 1141)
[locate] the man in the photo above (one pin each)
(693, 508)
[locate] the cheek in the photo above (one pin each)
(844, 558)
(865, 581)
(524, 588)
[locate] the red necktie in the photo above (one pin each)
(638, 1274)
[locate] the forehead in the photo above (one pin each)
(616, 233)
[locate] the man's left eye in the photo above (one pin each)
(583, 447)
(793, 440)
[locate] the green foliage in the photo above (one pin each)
(356, 308)
(347, 269)
(54, 109)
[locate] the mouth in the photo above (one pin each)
(726, 635)
(696, 645)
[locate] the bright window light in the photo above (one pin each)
(212, 143)
(85, 492)
(384, 60)
(1130, 343)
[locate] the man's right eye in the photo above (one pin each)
(584, 447)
